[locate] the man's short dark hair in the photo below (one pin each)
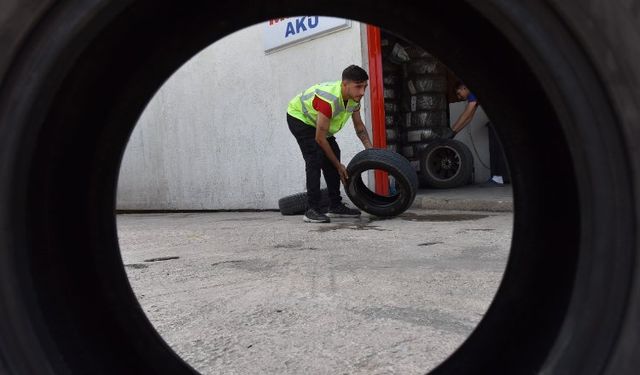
(354, 73)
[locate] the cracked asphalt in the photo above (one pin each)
(262, 293)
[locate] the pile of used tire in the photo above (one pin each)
(415, 100)
(425, 109)
(417, 116)
(392, 82)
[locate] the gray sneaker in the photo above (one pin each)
(313, 216)
(343, 211)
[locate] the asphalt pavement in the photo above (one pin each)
(262, 293)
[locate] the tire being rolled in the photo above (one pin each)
(394, 164)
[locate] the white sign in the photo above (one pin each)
(284, 32)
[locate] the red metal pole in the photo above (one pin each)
(377, 102)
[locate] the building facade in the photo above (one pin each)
(215, 137)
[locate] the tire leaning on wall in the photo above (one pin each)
(445, 163)
(394, 164)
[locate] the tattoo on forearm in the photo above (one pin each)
(363, 135)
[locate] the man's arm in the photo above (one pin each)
(361, 130)
(322, 127)
(466, 117)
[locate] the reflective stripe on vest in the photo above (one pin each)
(301, 106)
(334, 101)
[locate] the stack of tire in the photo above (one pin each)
(392, 81)
(417, 116)
(424, 105)
(440, 163)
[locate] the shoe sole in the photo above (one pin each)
(308, 220)
(344, 215)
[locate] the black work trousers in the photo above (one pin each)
(315, 161)
(496, 154)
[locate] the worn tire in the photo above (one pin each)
(391, 80)
(425, 66)
(296, 204)
(389, 67)
(425, 120)
(395, 165)
(417, 53)
(390, 107)
(446, 164)
(389, 93)
(75, 76)
(425, 102)
(426, 135)
(426, 84)
(389, 120)
(391, 135)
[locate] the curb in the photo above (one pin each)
(463, 204)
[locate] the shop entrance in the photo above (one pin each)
(411, 94)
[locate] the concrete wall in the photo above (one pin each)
(476, 137)
(215, 135)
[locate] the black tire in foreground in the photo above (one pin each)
(296, 204)
(394, 164)
(445, 163)
(76, 75)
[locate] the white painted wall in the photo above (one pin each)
(215, 135)
(476, 137)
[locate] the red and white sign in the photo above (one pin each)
(284, 32)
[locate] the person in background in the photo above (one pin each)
(314, 117)
(499, 172)
(466, 116)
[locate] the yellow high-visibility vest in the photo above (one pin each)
(301, 107)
